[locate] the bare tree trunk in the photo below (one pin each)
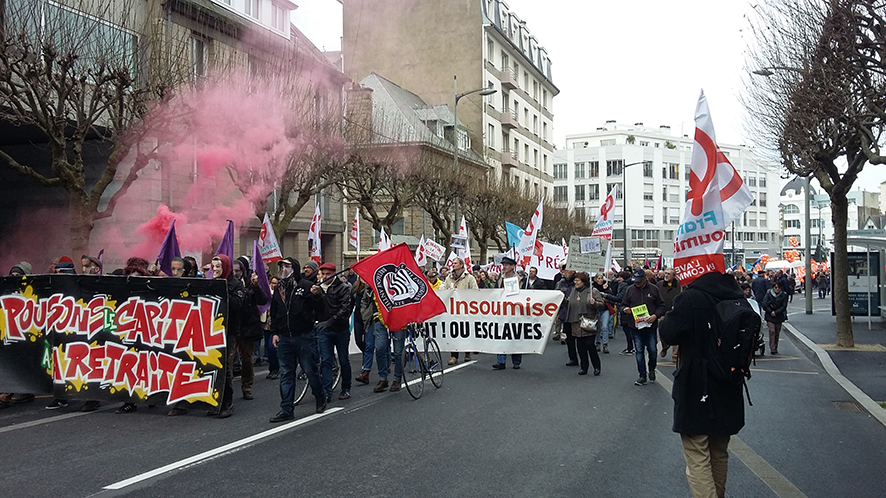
(840, 211)
(81, 223)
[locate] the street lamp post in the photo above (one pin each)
(458, 96)
(808, 279)
(624, 212)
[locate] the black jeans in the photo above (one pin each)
(586, 346)
(570, 343)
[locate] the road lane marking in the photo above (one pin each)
(784, 371)
(778, 483)
(228, 448)
(56, 418)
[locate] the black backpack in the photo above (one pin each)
(736, 332)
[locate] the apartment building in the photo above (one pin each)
(650, 166)
(446, 48)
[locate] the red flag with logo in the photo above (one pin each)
(402, 293)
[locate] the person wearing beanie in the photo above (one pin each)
(334, 330)
(310, 271)
(65, 265)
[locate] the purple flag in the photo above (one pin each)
(262, 273)
(226, 246)
(168, 250)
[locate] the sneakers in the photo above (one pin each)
(90, 406)
(273, 375)
(363, 378)
(640, 382)
(346, 394)
(596, 372)
(248, 395)
(282, 417)
(598, 348)
(395, 386)
(452, 360)
(572, 364)
(126, 408)
(56, 404)
(321, 405)
(516, 367)
(382, 386)
(627, 352)
(652, 375)
(605, 349)
(499, 366)
(467, 357)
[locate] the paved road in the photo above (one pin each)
(538, 431)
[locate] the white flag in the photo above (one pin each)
(603, 227)
(267, 242)
(465, 253)
(421, 258)
(384, 242)
(527, 243)
(354, 239)
(717, 196)
(314, 236)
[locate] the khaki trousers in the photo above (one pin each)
(707, 462)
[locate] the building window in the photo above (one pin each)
(535, 124)
(686, 172)
(504, 61)
(673, 171)
(763, 219)
(525, 81)
(762, 237)
(560, 172)
(647, 169)
(579, 193)
(535, 91)
(608, 142)
(609, 187)
(252, 8)
(614, 167)
(490, 51)
(647, 192)
(749, 236)
(535, 157)
(561, 193)
(638, 234)
(664, 194)
(278, 18)
(491, 136)
(198, 58)
(791, 209)
(792, 224)
(594, 170)
(762, 197)
(579, 170)
(525, 153)
(544, 98)
(762, 182)
(594, 192)
(664, 173)
(644, 144)
(544, 131)
(667, 235)
(751, 181)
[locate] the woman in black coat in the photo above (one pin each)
(775, 312)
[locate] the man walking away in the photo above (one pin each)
(707, 412)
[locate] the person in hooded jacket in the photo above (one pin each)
(250, 324)
(775, 312)
(294, 308)
(707, 412)
(334, 330)
(9, 399)
(621, 285)
(222, 267)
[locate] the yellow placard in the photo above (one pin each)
(639, 312)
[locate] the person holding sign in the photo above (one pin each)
(508, 280)
(583, 316)
(459, 278)
(642, 306)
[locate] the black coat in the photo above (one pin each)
(251, 317)
(760, 286)
(236, 302)
(688, 326)
(293, 308)
(778, 304)
(339, 305)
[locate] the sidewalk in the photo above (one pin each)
(863, 370)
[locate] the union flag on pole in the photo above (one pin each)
(421, 258)
(267, 242)
(527, 248)
(402, 293)
(384, 241)
(603, 227)
(465, 254)
(717, 196)
(314, 236)
(354, 239)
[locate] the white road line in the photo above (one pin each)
(48, 420)
(779, 484)
(231, 447)
(830, 367)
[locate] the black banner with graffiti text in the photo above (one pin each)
(134, 339)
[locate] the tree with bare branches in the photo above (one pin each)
(817, 103)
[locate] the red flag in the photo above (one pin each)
(658, 263)
(402, 293)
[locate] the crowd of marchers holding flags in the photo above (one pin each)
(291, 315)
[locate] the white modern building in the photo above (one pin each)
(650, 166)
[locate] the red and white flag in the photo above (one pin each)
(527, 248)
(314, 236)
(421, 258)
(717, 196)
(603, 227)
(465, 253)
(384, 242)
(354, 239)
(401, 291)
(267, 242)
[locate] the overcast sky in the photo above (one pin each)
(631, 61)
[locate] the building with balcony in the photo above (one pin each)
(422, 46)
(650, 166)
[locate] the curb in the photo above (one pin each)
(874, 409)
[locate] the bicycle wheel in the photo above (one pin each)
(413, 374)
(336, 371)
(300, 385)
(434, 362)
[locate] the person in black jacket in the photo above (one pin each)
(621, 285)
(775, 312)
(760, 286)
(250, 323)
(334, 330)
(643, 328)
(223, 268)
(294, 308)
(707, 412)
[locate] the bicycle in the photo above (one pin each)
(301, 378)
(420, 363)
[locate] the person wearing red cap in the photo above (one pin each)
(334, 330)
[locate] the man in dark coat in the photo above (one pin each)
(706, 411)
(250, 323)
(222, 267)
(334, 330)
(760, 286)
(643, 328)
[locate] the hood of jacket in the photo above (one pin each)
(25, 268)
(719, 285)
(227, 267)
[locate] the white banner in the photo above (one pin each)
(548, 263)
(488, 321)
(434, 250)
